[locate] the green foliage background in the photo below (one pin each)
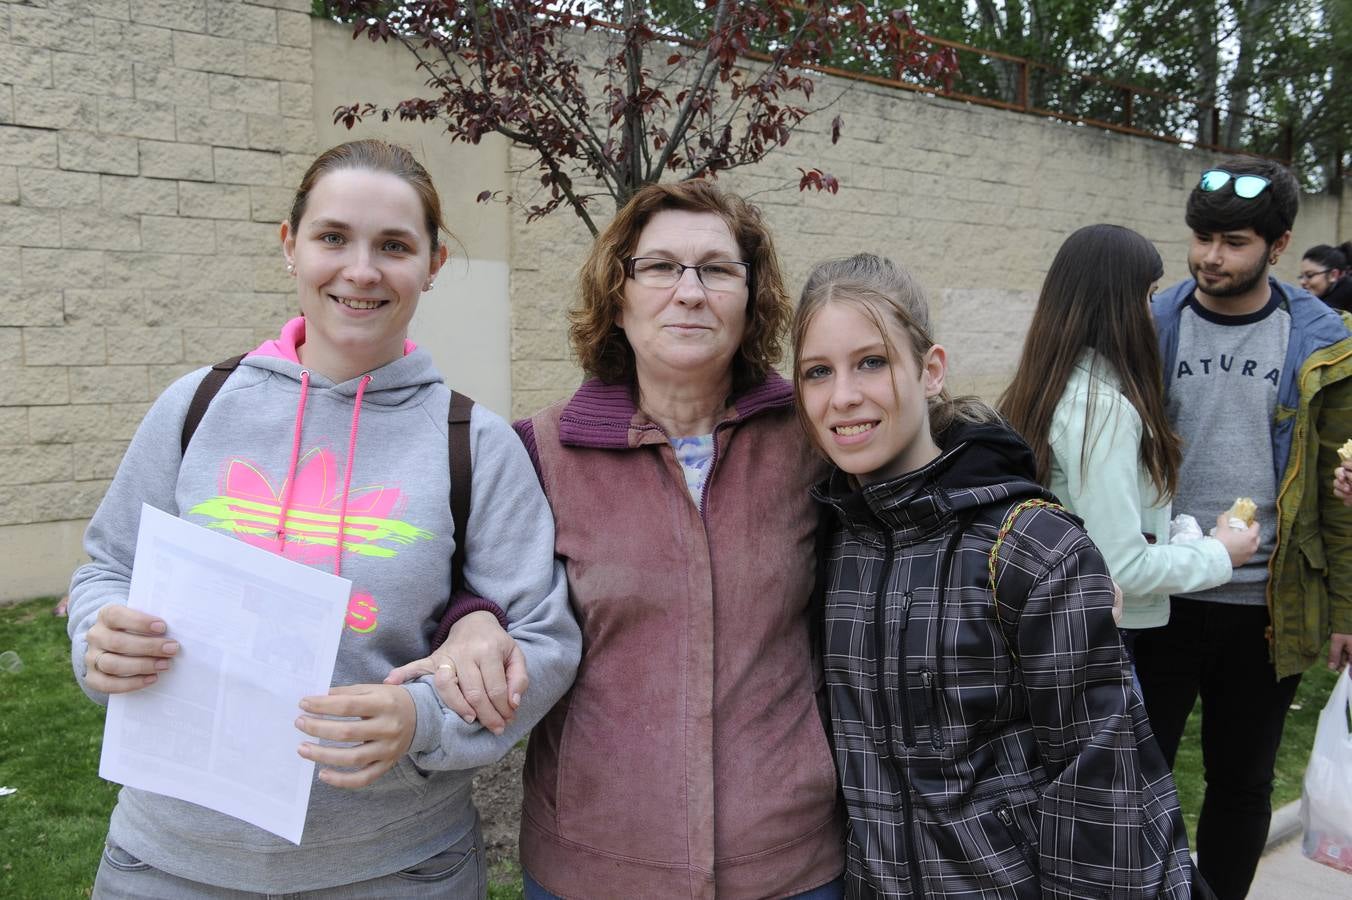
(1261, 62)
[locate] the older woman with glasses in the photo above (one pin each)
(689, 759)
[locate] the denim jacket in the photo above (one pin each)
(1309, 591)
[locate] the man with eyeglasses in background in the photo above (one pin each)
(1258, 375)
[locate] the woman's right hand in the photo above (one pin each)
(1342, 485)
(1240, 543)
(127, 650)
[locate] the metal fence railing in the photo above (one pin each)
(1004, 81)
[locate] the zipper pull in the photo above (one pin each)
(927, 679)
(906, 598)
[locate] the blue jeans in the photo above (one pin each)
(832, 890)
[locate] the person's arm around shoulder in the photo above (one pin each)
(1079, 705)
(1103, 490)
(477, 669)
(115, 649)
(509, 558)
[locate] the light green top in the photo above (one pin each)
(1112, 492)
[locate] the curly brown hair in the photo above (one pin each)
(601, 346)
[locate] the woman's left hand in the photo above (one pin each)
(479, 672)
(379, 720)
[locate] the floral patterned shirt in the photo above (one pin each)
(695, 454)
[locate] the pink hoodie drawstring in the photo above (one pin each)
(295, 457)
(347, 475)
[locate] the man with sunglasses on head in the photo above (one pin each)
(1259, 381)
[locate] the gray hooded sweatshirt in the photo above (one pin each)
(240, 475)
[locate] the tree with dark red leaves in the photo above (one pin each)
(611, 95)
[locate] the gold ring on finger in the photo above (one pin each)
(454, 676)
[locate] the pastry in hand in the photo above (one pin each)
(1345, 451)
(1242, 509)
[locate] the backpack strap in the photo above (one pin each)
(1016, 581)
(462, 470)
(206, 392)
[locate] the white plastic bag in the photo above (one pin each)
(1183, 529)
(1326, 802)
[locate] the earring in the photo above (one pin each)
(427, 286)
(291, 268)
(1272, 261)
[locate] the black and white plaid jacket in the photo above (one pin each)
(986, 757)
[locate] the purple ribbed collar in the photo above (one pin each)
(604, 416)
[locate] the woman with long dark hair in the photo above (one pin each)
(1088, 397)
(1324, 272)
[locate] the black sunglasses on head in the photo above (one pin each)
(1246, 186)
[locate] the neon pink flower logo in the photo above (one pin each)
(250, 508)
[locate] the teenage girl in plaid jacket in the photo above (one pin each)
(989, 742)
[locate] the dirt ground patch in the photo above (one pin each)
(497, 794)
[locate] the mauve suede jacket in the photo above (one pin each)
(689, 757)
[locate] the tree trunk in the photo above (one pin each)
(1251, 17)
(1008, 75)
(1208, 67)
(633, 175)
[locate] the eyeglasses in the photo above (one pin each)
(1306, 276)
(1246, 186)
(652, 271)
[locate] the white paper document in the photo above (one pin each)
(258, 633)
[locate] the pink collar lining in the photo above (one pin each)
(287, 344)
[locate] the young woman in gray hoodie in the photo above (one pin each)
(328, 445)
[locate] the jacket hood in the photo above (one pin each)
(390, 385)
(985, 464)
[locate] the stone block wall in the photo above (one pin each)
(146, 148)
(974, 200)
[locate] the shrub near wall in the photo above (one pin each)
(146, 147)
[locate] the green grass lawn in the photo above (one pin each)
(51, 831)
